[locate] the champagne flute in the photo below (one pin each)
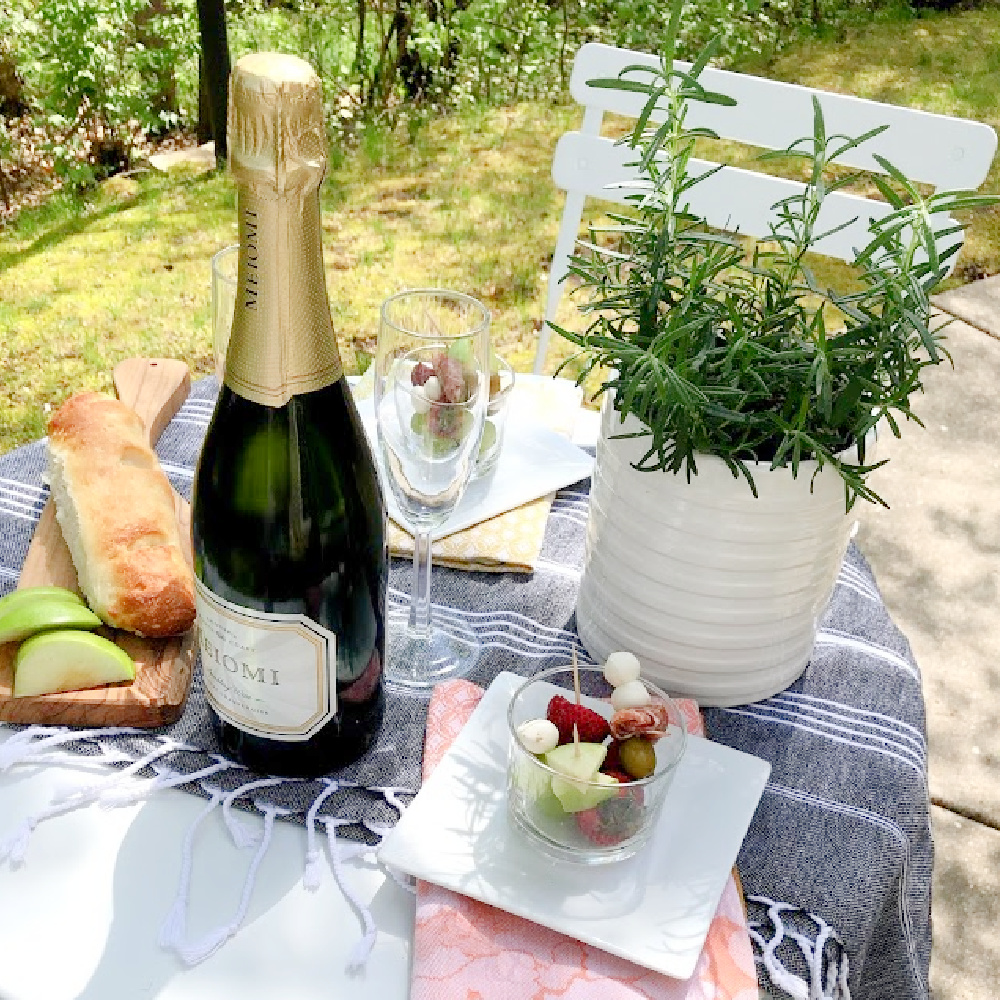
(224, 268)
(431, 390)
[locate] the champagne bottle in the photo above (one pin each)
(288, 520)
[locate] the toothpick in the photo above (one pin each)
(576, 741)
(576, 678)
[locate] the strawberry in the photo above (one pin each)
(613, 761)
(563, 714)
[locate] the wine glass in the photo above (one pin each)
(225, 265)
(431, 390)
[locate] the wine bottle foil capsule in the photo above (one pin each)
(282, 341)
(276, 135)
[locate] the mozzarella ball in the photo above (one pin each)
(631, 694)
(432, 388)
(538, 735)
(620, 668)
(421, 404)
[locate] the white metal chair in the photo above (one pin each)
(943, 152)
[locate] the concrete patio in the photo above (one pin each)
(936, 554)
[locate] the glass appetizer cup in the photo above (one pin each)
(560, 799)
(491, 444)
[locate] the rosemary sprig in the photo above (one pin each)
(723, 353)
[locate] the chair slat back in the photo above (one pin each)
(932, 149)
(730, 199)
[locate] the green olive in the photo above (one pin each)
(637, 756)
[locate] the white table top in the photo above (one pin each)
(80, 920)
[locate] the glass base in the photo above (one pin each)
(415, 661)
(521, 826)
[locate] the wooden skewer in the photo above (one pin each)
(576, 692)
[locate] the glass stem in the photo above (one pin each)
(420, 597)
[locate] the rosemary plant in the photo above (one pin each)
(740, 353)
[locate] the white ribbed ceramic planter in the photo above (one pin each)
(717, 592)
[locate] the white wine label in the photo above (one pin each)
(270, 675)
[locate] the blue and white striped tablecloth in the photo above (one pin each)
(839, 853)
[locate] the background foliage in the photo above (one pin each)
(450, 187)
(99, 75)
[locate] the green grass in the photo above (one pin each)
(85, 284)
(464, 201)
(945, 63)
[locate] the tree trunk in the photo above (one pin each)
(215, 62)
(204, 127)
(12, 102)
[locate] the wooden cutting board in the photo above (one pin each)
(155, 389)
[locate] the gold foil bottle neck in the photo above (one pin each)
(282, 341)
(276, 135)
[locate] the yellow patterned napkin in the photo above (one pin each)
(509, 542)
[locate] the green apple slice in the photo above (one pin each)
(68, 660)
(25, 595)
(43, 614)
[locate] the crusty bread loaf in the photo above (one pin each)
(116, 510)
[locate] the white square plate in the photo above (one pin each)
(653, 909)
(534, 462)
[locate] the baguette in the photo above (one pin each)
(116, 510)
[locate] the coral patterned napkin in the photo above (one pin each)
(509, 542)
(466, 950)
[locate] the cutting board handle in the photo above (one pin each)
(155, 388)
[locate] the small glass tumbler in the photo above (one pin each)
(225, 265)
(590, 821)
(501, 389)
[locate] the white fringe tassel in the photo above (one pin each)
(242, 834)
(35, 740)
(341, 851)
(833, 986)
(173, 932)
(311, 873)
(174, 928)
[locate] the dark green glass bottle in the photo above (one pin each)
(288, 520)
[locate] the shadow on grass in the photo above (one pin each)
(83, 218)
